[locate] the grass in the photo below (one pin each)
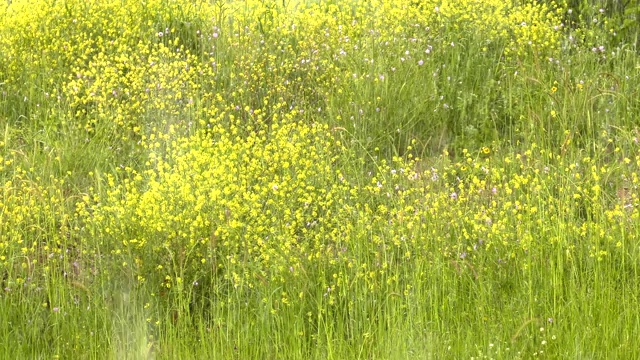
(322, 179)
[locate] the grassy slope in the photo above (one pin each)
(245, 180)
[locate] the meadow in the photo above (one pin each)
(319, 179)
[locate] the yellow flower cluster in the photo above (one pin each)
(35, 228)
(264, 199)
(106, 64)
(530, 28)
(537, 195)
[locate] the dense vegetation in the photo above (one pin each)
(322, 179)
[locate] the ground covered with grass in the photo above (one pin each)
(319, 179)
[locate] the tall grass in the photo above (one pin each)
(322, 179)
